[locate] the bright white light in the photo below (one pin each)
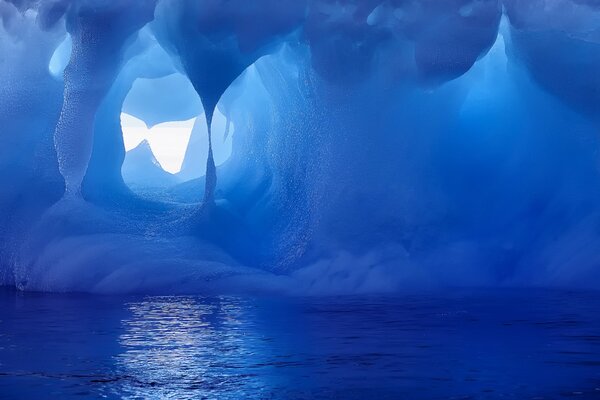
(168, 141)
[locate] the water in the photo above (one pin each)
(508, 344)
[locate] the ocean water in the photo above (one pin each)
(468, 344)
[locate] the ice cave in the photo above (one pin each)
(307, 149)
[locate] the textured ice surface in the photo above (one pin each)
(363, 146)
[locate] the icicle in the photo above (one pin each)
(211, 170)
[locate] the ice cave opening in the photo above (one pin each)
(165, 135)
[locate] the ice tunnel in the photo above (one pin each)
(299, 146)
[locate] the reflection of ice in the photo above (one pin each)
(181, 348)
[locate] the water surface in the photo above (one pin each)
(507, 344)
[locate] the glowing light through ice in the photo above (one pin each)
(168, 141)
(60, 58)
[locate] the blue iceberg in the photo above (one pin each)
(343, 146)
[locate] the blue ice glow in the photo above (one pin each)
(165, 146)
(60, 58)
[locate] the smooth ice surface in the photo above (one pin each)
(60, 58)
(299, 146)
(522, 344)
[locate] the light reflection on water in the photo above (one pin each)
(481, 345)
(181, 348)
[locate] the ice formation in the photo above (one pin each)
(371, 145)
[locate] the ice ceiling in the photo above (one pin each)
(340, 147)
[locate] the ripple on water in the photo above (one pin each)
(493, 345)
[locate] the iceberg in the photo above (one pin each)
(359, 146)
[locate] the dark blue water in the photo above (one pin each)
(509, 344)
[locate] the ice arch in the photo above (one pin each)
(375, 142)
(215, 44)
(144, 63)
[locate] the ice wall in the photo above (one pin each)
(378, 145)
